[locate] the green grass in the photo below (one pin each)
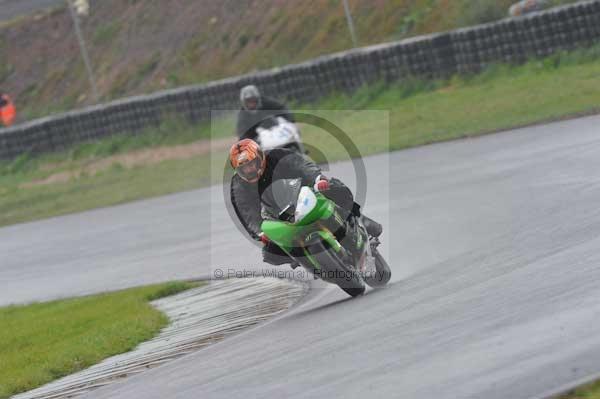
(41, 342)
(113, 186)
(161, 136)
(421, 112)
(83, 153)
(173, 131)
(590, 391)
(106, 34)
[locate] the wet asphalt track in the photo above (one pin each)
(495, 248)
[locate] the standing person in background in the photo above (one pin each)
(257, 109)
(8, 111)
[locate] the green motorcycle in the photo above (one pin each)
(322, 237)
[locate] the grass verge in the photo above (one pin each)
(421, 112)
(590, 391)
(44, 341)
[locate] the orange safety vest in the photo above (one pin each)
(8, 112)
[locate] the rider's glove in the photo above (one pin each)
(264, 239)
(321, 183)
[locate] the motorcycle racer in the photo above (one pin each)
(255, 172)
(257, 109)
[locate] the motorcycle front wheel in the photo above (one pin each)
(382, 274)
(333, 269)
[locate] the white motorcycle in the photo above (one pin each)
(282, 134)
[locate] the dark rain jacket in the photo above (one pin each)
(280, 164)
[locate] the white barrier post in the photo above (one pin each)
(350, 23)
(82, 7)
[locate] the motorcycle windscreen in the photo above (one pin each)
(307, 201)
(280, 198)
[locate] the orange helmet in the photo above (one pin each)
(248, 160)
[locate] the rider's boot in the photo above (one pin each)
(373, 228)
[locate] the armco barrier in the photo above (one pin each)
(462, 51)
